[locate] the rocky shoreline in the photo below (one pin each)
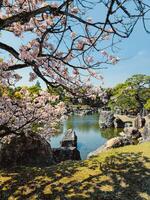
(33, 149)
(136, 134)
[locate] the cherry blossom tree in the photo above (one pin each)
(27, 113)
(67, 45)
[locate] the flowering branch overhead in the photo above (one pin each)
(65, 40)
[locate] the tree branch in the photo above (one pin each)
(10, 50)
(17, 66)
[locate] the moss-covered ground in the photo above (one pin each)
(118, 174)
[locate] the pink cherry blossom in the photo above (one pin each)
(104, 53)
(19, 115)
(74, 10)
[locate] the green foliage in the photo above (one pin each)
(147, 105)
(132, 95)
(6, 90)
(60, 91)
(38, 85)
(34, 89)
(15, 92)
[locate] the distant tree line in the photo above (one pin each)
(132, 96)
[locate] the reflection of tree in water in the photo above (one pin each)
(83, 123)
(86, 124)
(109, 133)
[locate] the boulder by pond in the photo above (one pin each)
(128, 136)
(69, 139)
(112, 143)
(118, 123)
(29, 149)
(132, 133)
(145, 133)
(106, 119)
(117, 142)
(65, 153)
(33, 149)
(68, 149)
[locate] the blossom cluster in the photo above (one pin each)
(56, 44)
(112, 59)
(29, 113)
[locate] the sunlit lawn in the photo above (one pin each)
(119, 174)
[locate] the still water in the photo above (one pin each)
(90, 137)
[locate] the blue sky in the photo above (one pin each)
(134, 54)
(135, 58)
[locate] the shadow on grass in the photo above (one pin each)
(124, 176)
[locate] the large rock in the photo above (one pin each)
(118, 123)
(117, 142)
(69, 139)
(139, 122)
(68, 149)
(106, 119)
(112, 143)
(65, 153)
(132, 133)
(30, 149)
(145, 134)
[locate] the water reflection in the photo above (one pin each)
(110, 132)
(83, 124)
(89, 134)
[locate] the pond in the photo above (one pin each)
(90, 137)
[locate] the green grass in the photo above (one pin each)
(118, 174)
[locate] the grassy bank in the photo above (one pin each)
(118, 174)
